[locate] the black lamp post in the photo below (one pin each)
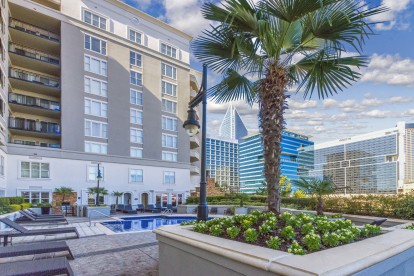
(192, 127)
(98, 178)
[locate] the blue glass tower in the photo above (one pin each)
(251, 160)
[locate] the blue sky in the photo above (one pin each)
(383, 96)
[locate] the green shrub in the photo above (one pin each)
(233, 232)
(4, 201)
(307, 228)
(216, 230)
(312, 242)
(288, 233)
(250, 235)
(15, 207)
(26, 205)
(296, 249)
(16, 200)
(274, 242)
(331, 239)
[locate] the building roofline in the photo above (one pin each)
(149, 18)
(287, 130)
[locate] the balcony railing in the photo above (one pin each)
(35, 78)
(32, 53)
(32, 101)
(30, 143)
(34, 30)
(32, 125)
(194, 154)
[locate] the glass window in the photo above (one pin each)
(95, 20)
(96, 108)
(169, 141)
(96, 66)
(168, 50)
(95, 44)
(136, 152)
(136, 176)
(96, 87)
(94, 147)
(135, 36)
(135, 116)
(135, 97)
(169, 106)
(93, 172)
(169, 89)
(135, 59)
(1, 165)
(136, 78)
(34, 170)
(35, 197)
(169, 71)
(169, 156)
(169, 177)
(96, 129)
(136, 135)
(169, 123)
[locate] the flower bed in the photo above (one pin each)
(298, 234)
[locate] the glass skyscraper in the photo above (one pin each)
(232, 126)
(252, 160)
(222, 161)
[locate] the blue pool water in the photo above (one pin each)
(129, 224)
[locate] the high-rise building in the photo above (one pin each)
(251, 159)
(232, 126)
(222, 161)
(380, 162)
(88, 82)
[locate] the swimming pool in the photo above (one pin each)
(130, 224)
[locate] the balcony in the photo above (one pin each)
(38, 83)
(193, 93)
(194, 142)
(34, 144)
(27, 34)
(54, 4)
(32, 59)
(194, 156)
(21, 126)
(36, 106)
(195, 170)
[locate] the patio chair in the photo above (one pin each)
(51, 266)
(228, 212)
(42, 216)
(128, 209)
(378, 222)
(153, 209)
(28, 217)
(120, 207)
(140, 208)
(22, 231)
(34, 248)
(172, 208)
(213, 211)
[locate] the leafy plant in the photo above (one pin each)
(288, 233)
(274, 242)
(299, 194)
(64, 191)
(250, 235)
(201, 227)
(117, 195)
(372, 230)
(312, 242)
(264, 229)
(316, 187)
(233, 232)
(296, 249)
(243, 198)
(216, 230)
(307, 228)
(331, 239)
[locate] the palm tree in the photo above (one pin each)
(117, 194)
(94, 191)
(265, 48)
(317, 187)
(64, 191)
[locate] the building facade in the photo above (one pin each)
(87, 82)
(379, 162)
(232, 126)
(222, 162)
(251, 160)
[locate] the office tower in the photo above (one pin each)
(232, 126)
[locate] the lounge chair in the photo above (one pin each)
(213, 211)
(34, 248)
(22, 231)
(51, 266)
(128, 209)
(42, 216)
(141, 208)
(378, 222)
(153, 209)
(172, 208)
(120, 207)
(27, 217)
(228, 212)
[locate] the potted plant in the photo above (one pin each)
(241, 210)
(45, 207)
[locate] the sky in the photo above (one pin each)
(383, 96)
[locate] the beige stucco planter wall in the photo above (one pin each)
(184, 252)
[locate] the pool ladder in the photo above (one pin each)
(167, 212)
(105, 215)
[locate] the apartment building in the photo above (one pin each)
(380, 162)
(251, 159)
(87, 82)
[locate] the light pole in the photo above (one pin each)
(98, 178)
(192, 127)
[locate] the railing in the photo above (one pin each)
(32, 53)
(33, 144)
(195, 170)
(35, 78)
(195, 140)
(32, 101)
(105, 215)
(167, 212)
(34, 30)
(195, 154)
(32, 125)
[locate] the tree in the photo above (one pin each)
(284, 184)
(64, 191)
(94, 191)
(117, 194)
(316, 187)
(265, 48)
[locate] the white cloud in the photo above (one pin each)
(371, 102)
(393, 17)
(302, 104)
(376, 113)
(329, 103)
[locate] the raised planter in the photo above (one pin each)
(185, 252)
(240, 211)
(96, 211)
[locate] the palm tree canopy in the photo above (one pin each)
(315, 186)
(64, 190)
(94, 190)
(317, 43)
(117, 194)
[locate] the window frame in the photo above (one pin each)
(164, 71)
(168, 182)
(174, 104)
(30, 177)
(173, 153)
(90, 86)
(135, 54)
(102, 48)
(164, 88)
(172, 47)
(130, 176)
(169, 118)
(136, 148)
(101, 168)
(101, 129)
(137, 32)
(101, 61)
(99, 17)
(96, 143)
(130, 78)
(101, 104)
(131, 90)
(174, 141)
(137, 111)
(138, 130)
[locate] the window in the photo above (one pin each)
(135, 116)
(95, 20)
(35, 170)
(136, 152)
(96, 129)
(169, 71)
(169, 89)
(94, 147)
(169, 156)
(135, 59)
(95, 44)
(135, 36)
(93, 172)
(168, 50)
(136, 97)
(136, 135)
(169, 106)
(169, 123)
(35, 197)
(1, 165)
(96, 87)
(169, 141)
(96, 66)
(136, 176)
(169, 177)
(96, 108)
(136, 78)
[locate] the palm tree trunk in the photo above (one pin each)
(272, 100)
